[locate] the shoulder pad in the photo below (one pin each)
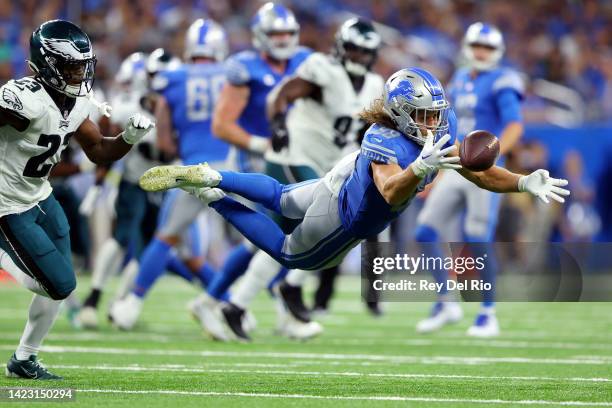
(509, 79)
(314, 68)
(237, 68)
(21, 97)
(381, 144)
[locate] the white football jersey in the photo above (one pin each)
(125, 105)
(27, 157)
(323, 130)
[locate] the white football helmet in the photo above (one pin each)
(488, 36)
(206, 38)
(275, 18)
(132, 73)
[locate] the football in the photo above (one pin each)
(479, 150)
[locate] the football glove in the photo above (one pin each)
(541, 185)
(137, 127)
(280, 135)
(104, 108)
(433, 157)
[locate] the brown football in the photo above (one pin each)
(479, 150)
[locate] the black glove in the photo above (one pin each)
(280, 136)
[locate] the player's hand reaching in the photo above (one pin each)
(137, 127)
(433, 157)
(541, 185)
(280, 135)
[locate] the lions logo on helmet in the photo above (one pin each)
(415, 101)
(62, 57)
(357, 44)
(206, 39)
(269, 21)
(485, 35)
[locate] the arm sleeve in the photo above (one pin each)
(20, 101)
(313, 69)
(509, 106)
(379, 148)
(237, 72)
(452, 127)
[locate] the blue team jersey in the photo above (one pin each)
(489, 101)
(363, 210)
(192, 92)
(248, 68)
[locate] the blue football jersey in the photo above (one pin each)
(479, 102)
(248, 68)
(192, 92)
(363, 210)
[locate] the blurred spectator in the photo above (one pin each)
(565, 42)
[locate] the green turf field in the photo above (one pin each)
(549, 354)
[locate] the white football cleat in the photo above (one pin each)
(162, 178)
(207, 311)
(249, 322)
(282, 316)
(205, 194)
(88, 318)
(125, 312)
(485, 325)
(297, 330)
(443, 313)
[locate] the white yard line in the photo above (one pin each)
(352, 398)
(418, 342)
(201, 369)
(593, 360)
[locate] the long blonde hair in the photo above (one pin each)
(376, 114)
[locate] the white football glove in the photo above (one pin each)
(137, 127)
(433, 157)
(541, 185)
(104, 108)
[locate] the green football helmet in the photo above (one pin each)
(62, 57)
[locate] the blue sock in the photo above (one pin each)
(152, 265)
(480, 248)
(235, 266)
(206, 274)
(256, 227)
(429, 237)
(176, 266)
(258, 188)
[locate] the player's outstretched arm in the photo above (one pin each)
(278, 102)
(105, 150)
(396, 185)
(500, 180)
(232, 102)
(163, 119)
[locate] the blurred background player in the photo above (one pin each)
(326, 96)
(484, 96)
(185, 101)
(136, 210)
(240, 119)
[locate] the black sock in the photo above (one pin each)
(93, 298)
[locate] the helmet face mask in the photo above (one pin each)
(61, 57)
(357, 44)
(275, 31)
(415, 101)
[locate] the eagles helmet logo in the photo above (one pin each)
(12, 99)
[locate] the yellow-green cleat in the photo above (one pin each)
(162, 178)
